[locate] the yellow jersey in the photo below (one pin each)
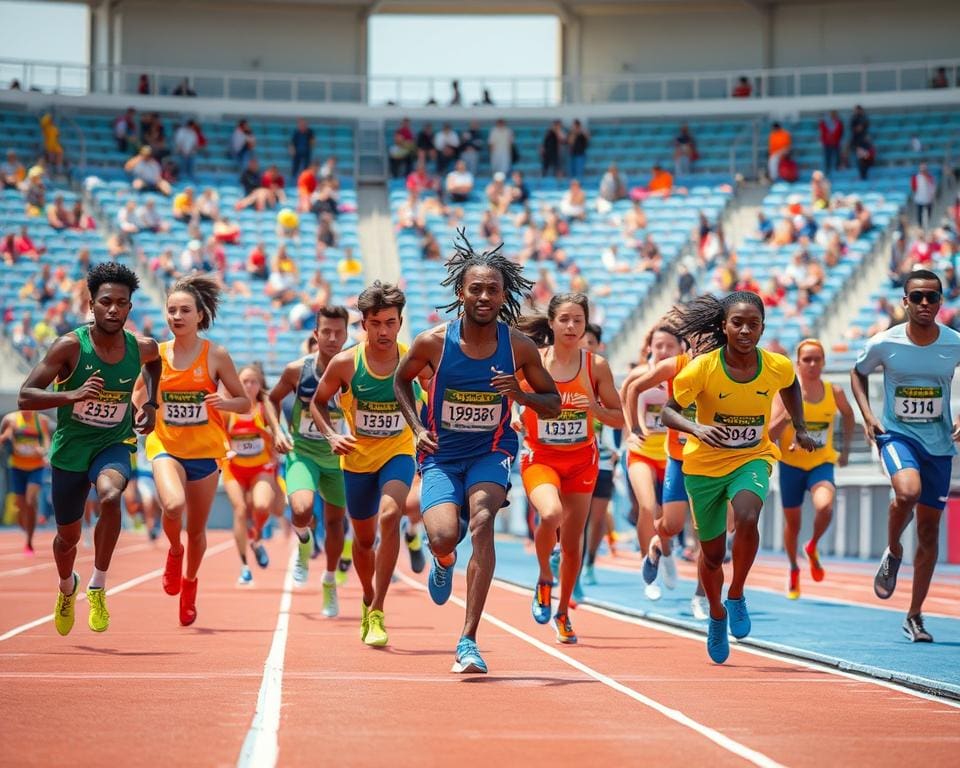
(820, 418)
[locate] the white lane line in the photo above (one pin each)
(122, 587)
(722, 741)
(734, 645)
(261, 745)
(84, 559)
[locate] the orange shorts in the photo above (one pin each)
(659, 467)
(570, 471)
(245, 476)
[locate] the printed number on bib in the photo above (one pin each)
(918, 404)
(741, 431)
(471, 411)
(247, 447)
(30, 449)
(653, 418)
(569, 429)
(818, 432)
(378, 419)
(105, 412)
(185, 409)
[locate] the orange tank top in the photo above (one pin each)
(676, 440)
(573, 428)
(250, 439)
(186, 426)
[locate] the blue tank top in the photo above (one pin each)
(470, 418)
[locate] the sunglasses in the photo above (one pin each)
(917, 297)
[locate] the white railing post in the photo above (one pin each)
(259, 87)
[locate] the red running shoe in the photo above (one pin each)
(816, 569)
(793, 585)
(173, 573)
(188, 602)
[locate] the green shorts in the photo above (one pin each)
(709, 495)
(304, 474)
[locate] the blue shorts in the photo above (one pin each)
(21, 478)
(899, 452)
(195, 469)
(364, 489)
(674, 484)
(449, 482)
(794, 482)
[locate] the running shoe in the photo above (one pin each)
(649, 570)
(652, 591)
(260, 552)
(346, 560)
(301, 568)
(700, 607)
(589, 577)
(364, 620)
(99, 617)
(577, 595)
(188, 602)
(540, 607)
(718, 644)
(154, 532)
(415, 547)
(669, 569)
(793, 584)
(331, 605)
(555, 567)
(173, 573)
(468, 658)
(63, 615)
(440, 581)
(267, 532)
(376, 632)
(246, 577)
(885, 582)
(915, 631)
(816, 568)
(28, 550)
(565, 633)
(739, 617)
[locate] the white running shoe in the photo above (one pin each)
(652, 591)
(700, 607)
(668, 567)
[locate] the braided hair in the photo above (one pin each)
(515, 285)
(700, 321)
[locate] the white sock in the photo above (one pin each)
(303, 533)
(98, 580)
(413, 530)
(330, 577)
(67, 585)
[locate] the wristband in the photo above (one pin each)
(153, 403)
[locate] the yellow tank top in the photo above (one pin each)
(820, 418)
(27, 452)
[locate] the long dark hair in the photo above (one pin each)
(205, 291)
(537, 327)
(700, 321)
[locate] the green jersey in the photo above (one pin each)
(309, 441)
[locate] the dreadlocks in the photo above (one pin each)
(515, 285)
(700, 321)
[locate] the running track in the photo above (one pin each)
(253, 683)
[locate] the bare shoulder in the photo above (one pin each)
(149, 348)
(524, 349)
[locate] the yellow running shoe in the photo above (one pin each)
(376, 632)
(99, 618)
(331, 605)
(63, 613)
(364, 620)
(346, 558)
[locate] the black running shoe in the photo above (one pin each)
(914, 630)
(415, 547)
(885, 582)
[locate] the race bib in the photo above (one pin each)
(27, 448)
(570, 428)
(741, 431)
(652, 418)
(379, 420)
(247, 447)
(818, 431)
(105, 412)
(185, 409)
(918, 404)
(689, 413)
(470, 411)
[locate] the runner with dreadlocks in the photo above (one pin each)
(467, 447)
(733, 383)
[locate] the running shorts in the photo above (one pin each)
(364, 489)
(900, 452)
(21, 478)
(709, 495)
(674, 485)
(245, 476)
(70, 489)
(794, 482)
(304, 474)
(568, 471)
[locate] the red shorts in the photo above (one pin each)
(569, 471)
(246, 476)
(659, 467)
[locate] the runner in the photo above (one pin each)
(561, 461)
(803, 471)
(93, 369)
(647, 449)
(916, 435)
(468, 447)
(376, 454)
(250, 473)
(190, 440)
(29, 436)
(147, 491)
(733, 383)
(311, 467)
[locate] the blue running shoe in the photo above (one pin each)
(260, 552)
(718, 645)
(468, 658)
(540, 607)
(649, 570)
(555, 566)
(739, 618)
(246, 578)
(268, 529)
(440, 581)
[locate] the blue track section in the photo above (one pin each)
(851, 637)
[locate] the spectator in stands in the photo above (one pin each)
(779, 143)
(327, 234)
(490, 228)
(649, 256)
(8, 250)
(613, 187)
(146, 173)
(573, 204)
(12, 172)
(317, 294)
(410, 213)
(273, 180)
(939, 79)
(430, 247)
(256, 264)
(743, 89)
(635, 219)
(80, 218)
(459, 183)
(421, 180)
(747, 282)
(324, 200)
(349, 266)
(578, 141)
(284, 278)
(185, 146)
(426, 150)
(22, 337)
(497, 194)
(328, 172)
(183, 89)
(215, 257)
(831, 139)
(307, 185)
(859, 125)
(192, 259)
(609, 258)
(58, 217)
(456, 99)
(517, 191)
(859, 222)
(865, 154)
(787, 168)
(301, 148)
(127, 220)
(553, 139)
(226, 231)
(764, 227)
(208, 205)
(951, 282)
(471, 145)
(35, 191)
(184, 207)
(447, 146)
(402, 150)
(661, 181)
(155, 136)
(26, 247)
(260, 197)
(773, 294)
(819, 191)
(242, 143)
(500, 143)
(924, 189)
(52, 149)
(684, 151)
(250, 178)
(148, 217)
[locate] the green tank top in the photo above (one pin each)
(87, 428)
(308, 441)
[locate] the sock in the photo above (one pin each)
(330, 577)
(67, 585)
(303, 533)
(447, 561)
(98, 580)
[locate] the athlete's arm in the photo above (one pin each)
(425, 349)
(640, 380)
(286, 384)
(608, 409)
(6, 427)
(673, 418)
(225, 372)
(335, 376)
(859, 385)
(545, 399)
(151, 369)
(60, 360)
(846, 416)
(792, 398)
(778, 419)
(45, 432)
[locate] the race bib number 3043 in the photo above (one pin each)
(471, 411)
(185, 409)
(741, 431)
(106, 411)
(918, 404)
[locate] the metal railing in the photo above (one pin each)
(402, 90)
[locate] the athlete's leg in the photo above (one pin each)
(576, 507)
(643, 480)
(69, 492)
(925, 559)
(442, 524)
(485, 499)
(171, 480)
(333, 517)
(391, 505)
(596, 527)
(200, 495)
(110, 487)
(131, 502)
(301, 508)
(546, 498)
(823, 495)
(263, 496)
(746, 542)
(906, 493)
(670, 524)
(710, 570)
(30, 501)
(791, 531)
(238, 500)
(364, 556)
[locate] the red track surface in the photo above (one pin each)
(149, 692)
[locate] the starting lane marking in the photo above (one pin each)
(261, 745)
(722, 741)
(122, 587)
